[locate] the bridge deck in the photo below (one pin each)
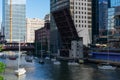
(15, 46)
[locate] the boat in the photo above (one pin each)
(106, 66)
(12, 57)
(41, 61)
(56, 62)
(19, 71)
(73, 63)
(1, 54)
(4, 56)
(47, 58)
(53, 59)
(28, 58)
(81, 61)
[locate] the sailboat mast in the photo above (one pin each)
(19, 51)
(108, 46)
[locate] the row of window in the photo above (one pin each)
(81, 8)
(79, 3)
(79, 25)
(81, 21)
(81, 17)
(80, 12)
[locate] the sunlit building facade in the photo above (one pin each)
(33, 24)
(14, 14)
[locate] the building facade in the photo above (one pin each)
(76, 49)
(13, 20)
(33, 24)
(95, 20)
(114, 22)
(114, 3)
(73, 20)
(114, 13)
(111, 13)
(103, 15)
(55, 37)
(42, 35)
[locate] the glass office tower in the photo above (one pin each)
(13, 20)
(113, 13)
(103, 15)
(114, 3)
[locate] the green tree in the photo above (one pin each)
(2, 69)
(1, 78)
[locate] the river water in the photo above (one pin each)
(49, 71)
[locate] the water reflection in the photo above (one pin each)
(49, 71)
(21, 77)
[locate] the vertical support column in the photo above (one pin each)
(10, 20)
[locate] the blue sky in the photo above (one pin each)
(34, 8)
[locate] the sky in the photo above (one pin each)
(34, 8)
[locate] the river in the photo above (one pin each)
(49, 71)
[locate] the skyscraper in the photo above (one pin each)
(95, 20)
(14, 20)
(73, 21)
(114, 3)
(113, 14)
(103, 15)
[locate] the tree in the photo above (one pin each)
(2, 69)
(1, 78)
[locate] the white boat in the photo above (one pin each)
(47, 57)
(41, 61)
(1, 54)
(19, 71)
(56, 62)
(106, 66)
(73, 63)
(35, 58)
(53, 59)
(81, 61)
